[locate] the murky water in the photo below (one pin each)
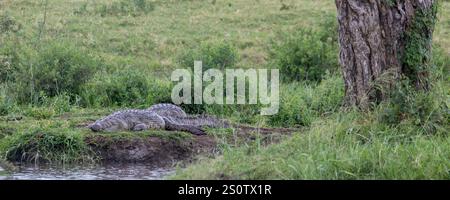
(99, 172)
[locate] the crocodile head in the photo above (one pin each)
(95, 127)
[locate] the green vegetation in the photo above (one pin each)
(65, 64)
(406, 137)
(123, 7)
(417, 55)
(307, 54)
(46, 145)
(348, 145)
(127, 87)
(312, 102)
(34, 138)
(219, 55)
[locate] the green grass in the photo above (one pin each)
(146, 39)
(334, 148)
(152, 39)
(43, 145)
(406, 137)
(56, 139)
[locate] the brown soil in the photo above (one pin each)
(266, 131)
(154, 150)
(266, 135)
(166, 151)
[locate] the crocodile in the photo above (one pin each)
(168, 110)
(159, 116)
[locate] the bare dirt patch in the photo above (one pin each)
(164, 151)
(158, 151)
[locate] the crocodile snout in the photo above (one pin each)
(95, 127)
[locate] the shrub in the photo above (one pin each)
(59, 104)
(8, 24)
(39, 112)
(159, 92)
(213, 55)
(127, 7)
(293, 108)
(426, 111)
(6, 103)
(247, 113)
(309, 102)
(59, 68)
(328, 95)
(81, 10)
(12, 56)
(328, 30)
(48, 107)
(441, 64)
(304, 56)
(125, 88)
(218, 55)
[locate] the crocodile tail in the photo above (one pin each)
(186, 128)
(199, 121)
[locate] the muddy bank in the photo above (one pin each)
(4, 168)
(170, 148)
(153, 147)
(154, 150)
(3, 175)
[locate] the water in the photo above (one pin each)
(98, 172)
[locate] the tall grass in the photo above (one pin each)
(347, 145)
(44, 145)
(310, 101)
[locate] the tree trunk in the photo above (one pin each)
(381, 42)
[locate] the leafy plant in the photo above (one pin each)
(127, 7)
(213, 55)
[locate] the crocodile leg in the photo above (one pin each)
(140, 127)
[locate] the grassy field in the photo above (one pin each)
(66, 63)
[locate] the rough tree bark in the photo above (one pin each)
(380, 37)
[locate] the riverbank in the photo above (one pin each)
(5, 169)
(65, 139)
(3, 174)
